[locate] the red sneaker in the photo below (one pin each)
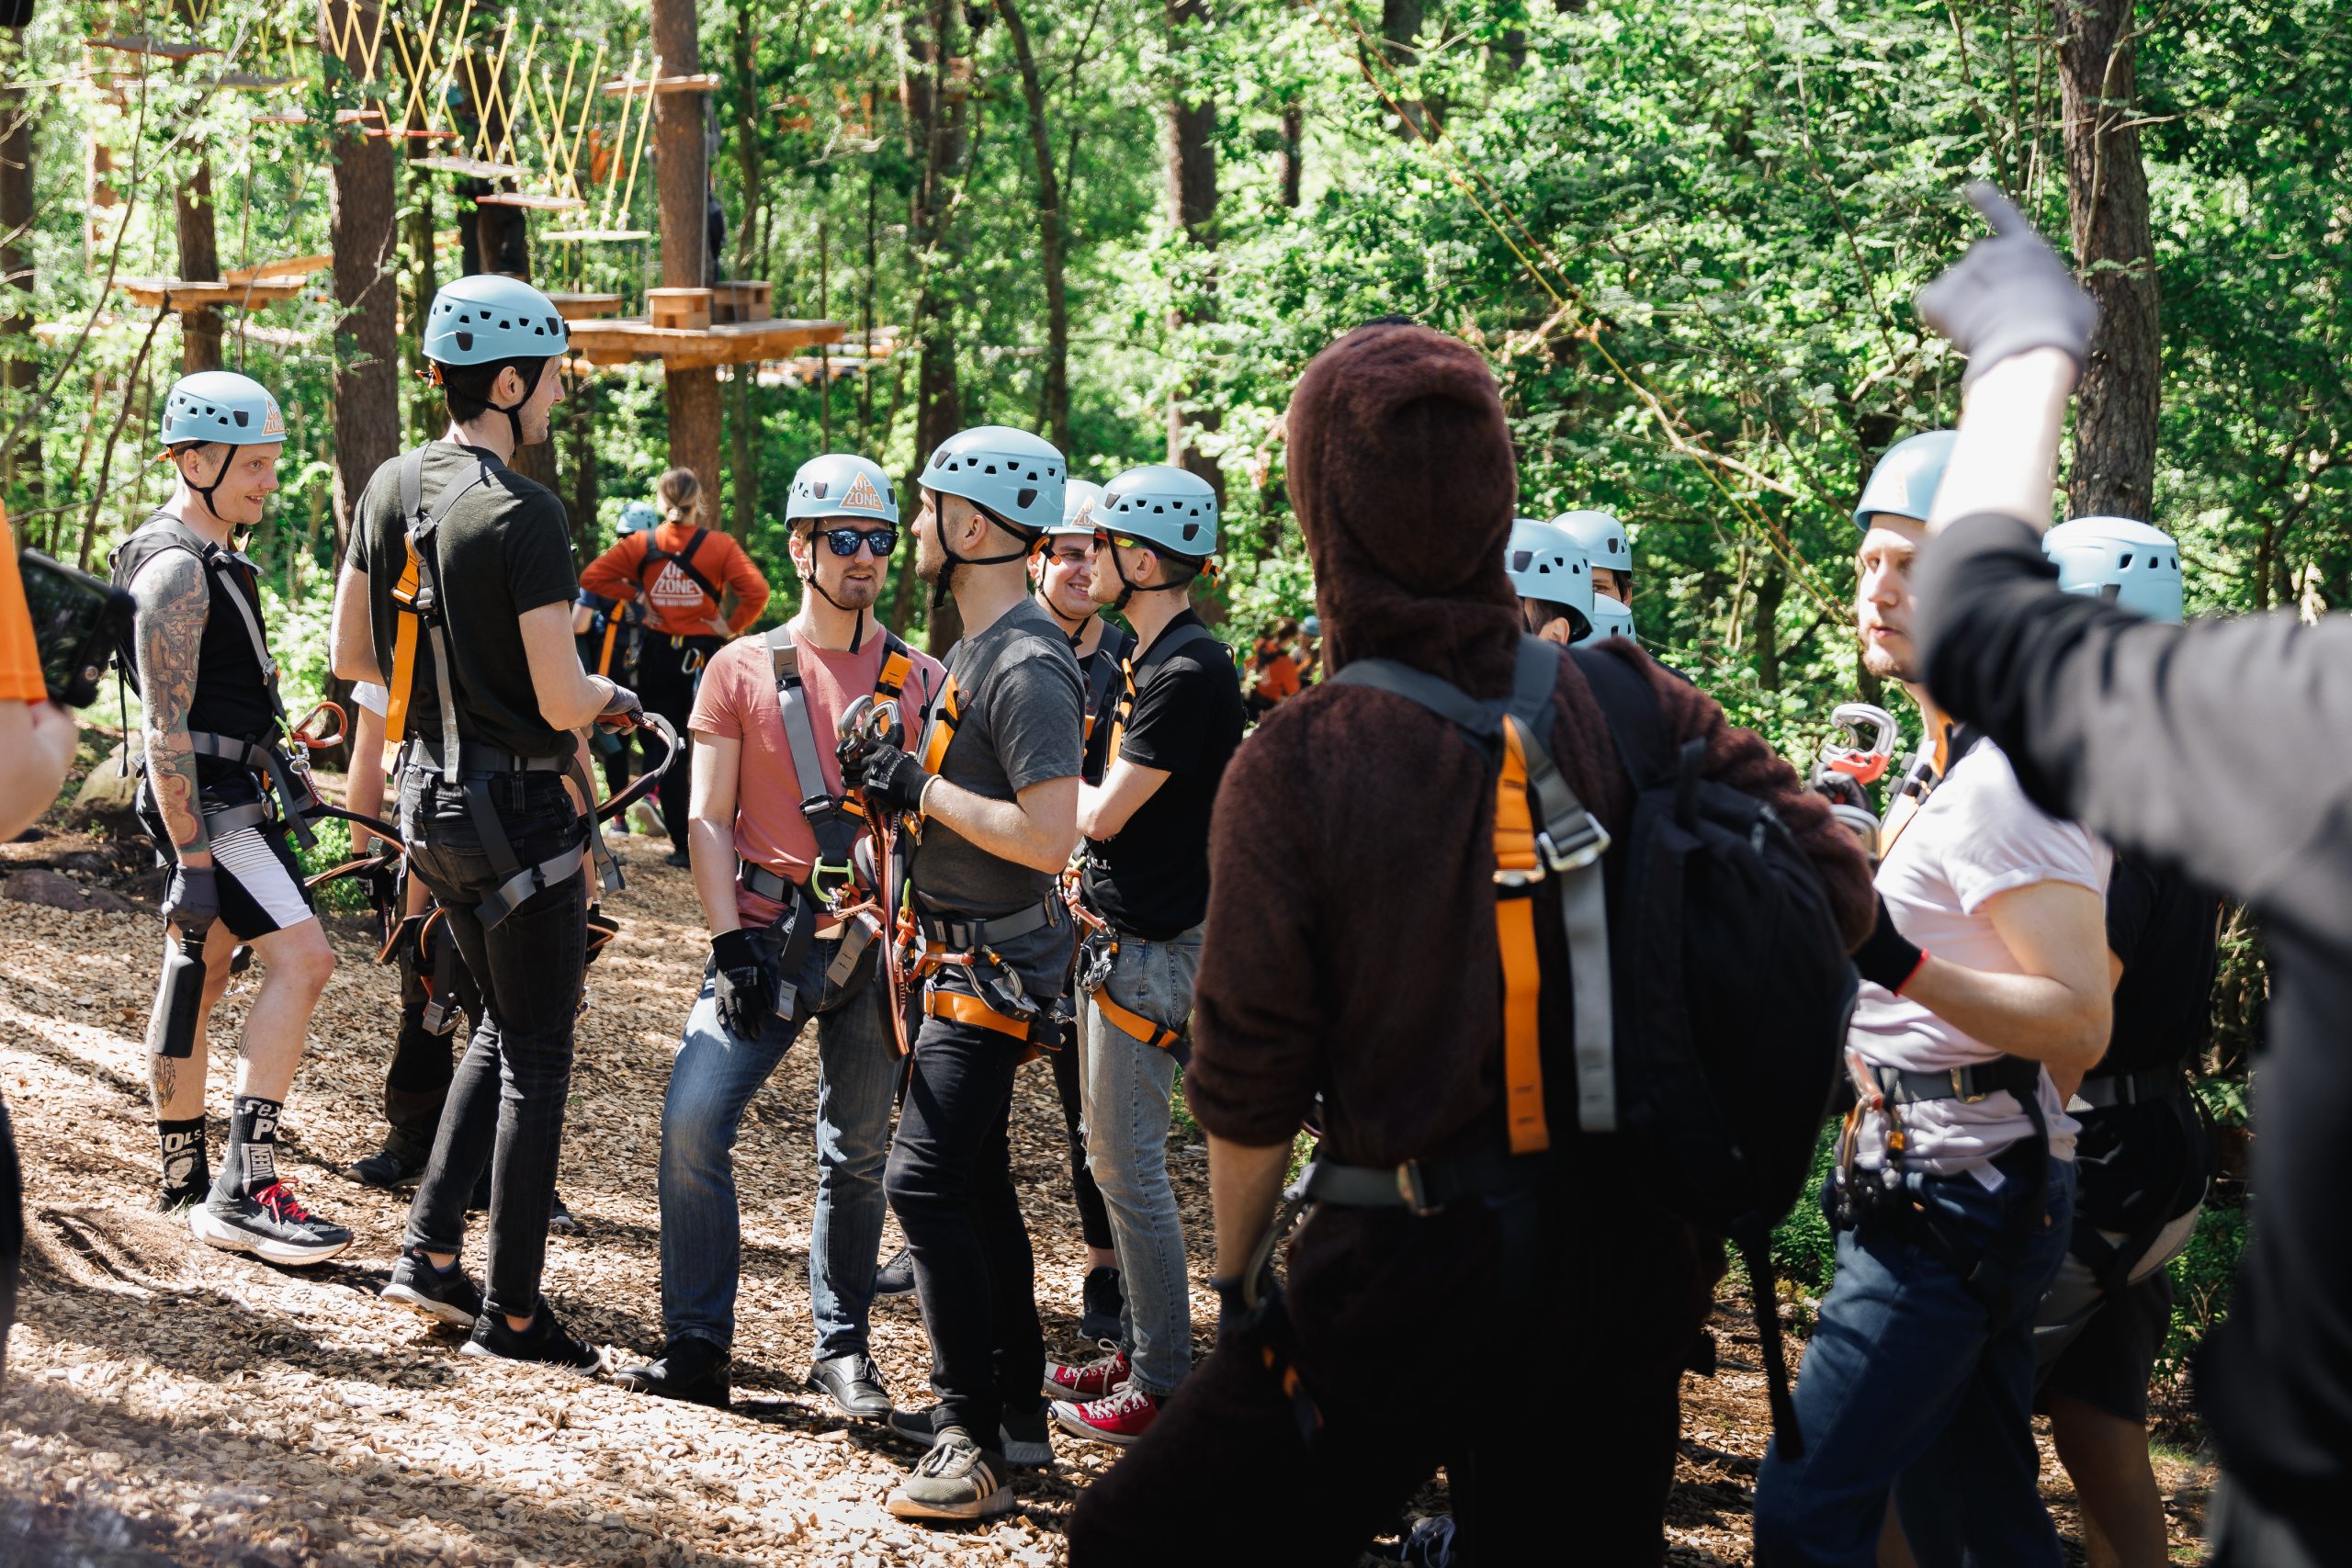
(1090, 1380)
(1121, 1419)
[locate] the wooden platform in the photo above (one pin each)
(160, 48)
(532, 200)
(292, 267)
(597, 235)
(172, 294)
(701, 81)
(730, 343)
(585, 307)
(470, 168)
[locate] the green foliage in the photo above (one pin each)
(1805, 1250)
(2202, 1280)
(343, 895)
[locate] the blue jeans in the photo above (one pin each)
(713, 1077)
(1912, 1386)
(1125, 1084)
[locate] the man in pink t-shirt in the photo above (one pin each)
(764, 869)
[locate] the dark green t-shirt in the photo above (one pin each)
(505, 550)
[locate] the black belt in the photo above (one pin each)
(2104, 1091)
(964, 934)
(765, 883)
(480, 759)
(1424, 1185)
(1968, 1084)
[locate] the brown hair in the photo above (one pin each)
(681, 494)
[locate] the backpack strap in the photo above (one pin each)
(1124, 713)
(834, 825)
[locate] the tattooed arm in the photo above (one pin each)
(173, 598)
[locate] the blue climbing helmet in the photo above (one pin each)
(1081, 500)
(220, 405)
(2120, 560)
(1311, 626)
(841, 484)
(637, 518)
(487, 318)
(1600, 536)
(1170, 509)
(1543, 562)
(1907, 478)
(1609, 619)
(1016, 477)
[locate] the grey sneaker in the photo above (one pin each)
(1025, 1438)
(270, 1225)
(445, 1295)
(957, 1480)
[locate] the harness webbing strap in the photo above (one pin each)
(684, 560)
(961, 1007)
(1157, 1035)
(1155, 658)
(939, 729)
(1515, 937)
(837, 821)
(404, 675)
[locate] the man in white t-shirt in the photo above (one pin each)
(1987, 975)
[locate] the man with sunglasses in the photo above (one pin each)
(1147, 889)
(774, 848)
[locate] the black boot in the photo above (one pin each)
(693, 1369)
(1104, 1306)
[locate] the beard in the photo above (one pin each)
(851, 595)
(1882, 663)
(929, 559)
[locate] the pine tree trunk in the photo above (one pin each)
(1400, 23)
(1189, 138)
(19, 374)
(1290, 163)
(365, 394)
(1054, 398)
(682, 186)
(199, 263)
(935, 125)
(2107, 189)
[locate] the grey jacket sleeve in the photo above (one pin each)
(2223, 749)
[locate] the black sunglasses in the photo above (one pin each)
(844, 542)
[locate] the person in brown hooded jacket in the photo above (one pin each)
(1360, 962)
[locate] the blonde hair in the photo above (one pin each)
(681, 494)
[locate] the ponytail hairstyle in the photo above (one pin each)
(681, 495)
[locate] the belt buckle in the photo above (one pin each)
(1585, 845)
(1960, 1088)
(1414, 1191)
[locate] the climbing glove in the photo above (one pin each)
(890, 779)
(192, 898)
(1886, 958)
(745, 982)
(622, 711)
(2010, 293)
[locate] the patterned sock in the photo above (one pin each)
(185, 1173)
(251, 1163)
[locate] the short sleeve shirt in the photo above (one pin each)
(1977, 837)
(504, 550)
(2162, 929)
(736, 700)
(20, 673)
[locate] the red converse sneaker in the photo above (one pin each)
(1085, 1380)
(1122, 1418)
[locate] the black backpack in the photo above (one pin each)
(1729, 990)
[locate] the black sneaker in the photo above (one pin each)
(957, 1480)
(269, 1224)
(1023, 1437)
(896, 1278)
(692, 1369)
(853, 1384)
(1105, 1307)
(545, 1343)
(678, 858)
(387, 1168)
(445, 1295)
(559, 1220)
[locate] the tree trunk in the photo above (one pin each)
(1772, 587)
(364, 392)
(935, 126)
(426, 414)
(2106, 190)
(584, 499)
(742, 426)
(681, 187)
(1054, 399)
(1188, 132)
(1400, 23)
(199, 263)
(1290, 163)
(18, 372)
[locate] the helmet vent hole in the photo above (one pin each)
(1026, 498)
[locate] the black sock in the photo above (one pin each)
(251, 1163)
(185, 1172)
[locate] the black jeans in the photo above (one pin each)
(417, 1085)
(1093, 1219)
(950, 1183)
(516, 1072)
(666, 686)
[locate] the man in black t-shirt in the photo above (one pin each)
(456, 595)
(1147, 889)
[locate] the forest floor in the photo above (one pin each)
(169, 1403)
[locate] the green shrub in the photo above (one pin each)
(1805, 1250)
(332, 849)
(2202, 1280)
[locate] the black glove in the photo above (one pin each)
(890, 779)
(746, 982)
(1885, 957)
(192, 898)
(2010, 293)
(621, 710)
(1839, 789)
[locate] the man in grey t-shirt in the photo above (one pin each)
(991, 788)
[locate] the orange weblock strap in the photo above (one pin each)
(403, 673)
(959, 1007)
(1153, 1034)
(941, 729)
(1515, 852)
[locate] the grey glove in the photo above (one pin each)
(622, 710)
(192, 898)
(2010, 293)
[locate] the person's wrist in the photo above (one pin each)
(922, 796)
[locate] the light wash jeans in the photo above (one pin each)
(1124, 1086)
(713, 1077)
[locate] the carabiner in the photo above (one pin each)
(1863, 764)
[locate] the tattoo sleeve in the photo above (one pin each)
(173, 599)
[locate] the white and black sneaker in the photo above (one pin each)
(546, 1343)
(269, 1224)
(957, 1480)
(1025, 1439)
(445, 1295)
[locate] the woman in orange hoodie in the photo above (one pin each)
(683, 572)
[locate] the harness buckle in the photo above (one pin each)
(1586, 844)
(1959, 1088)
(1414, 1189)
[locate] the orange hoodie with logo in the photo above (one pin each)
(675, 605)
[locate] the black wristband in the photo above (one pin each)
(1886, 957)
